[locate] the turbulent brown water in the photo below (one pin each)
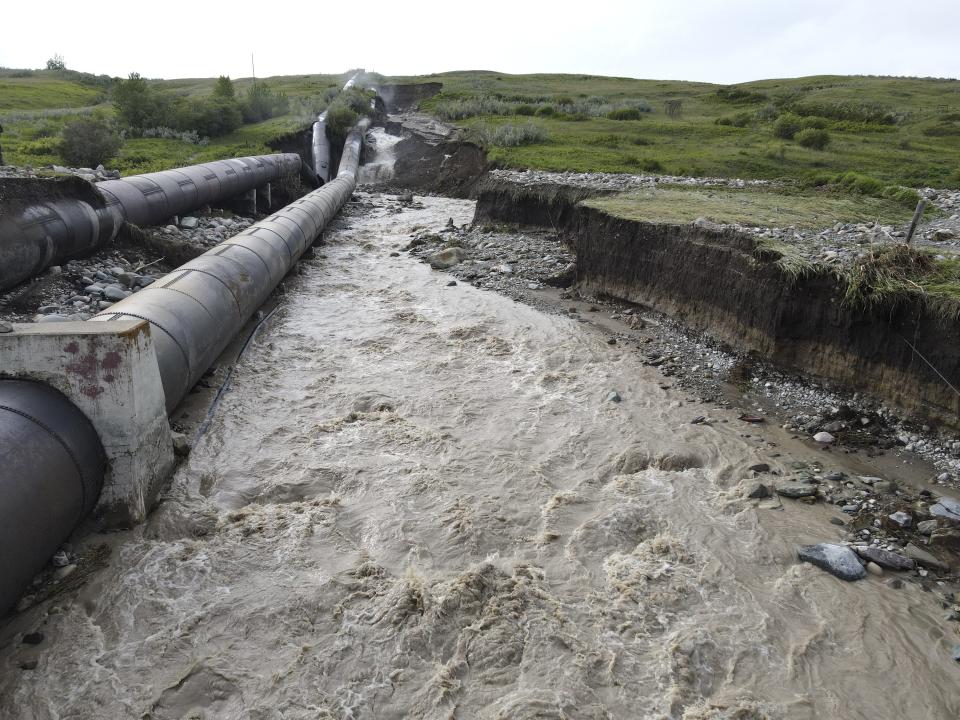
(418, 501)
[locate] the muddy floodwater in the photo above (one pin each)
(423, 501)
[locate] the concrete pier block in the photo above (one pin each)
(109, 371)
(265, 198)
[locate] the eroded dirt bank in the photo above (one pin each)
(719, 281)
(422, 500)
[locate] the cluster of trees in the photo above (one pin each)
(141, 106)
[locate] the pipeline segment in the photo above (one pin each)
(320, 149)
(52, 472)
(54, 463)
(48, 233)
(198, 308)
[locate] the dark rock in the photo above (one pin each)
(946, 508)
(759, 492)
(34, 638)
(885, 558)
(614, 396)
(5, 327)
(837, 521)
(698, 420)
(452, 283)
(924, 558)
(28, 665)
(181, 446)
(837, 560)
(760, 467)
(563, 279)
(947, 538)
(796, 490)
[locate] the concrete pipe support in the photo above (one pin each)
(52, 472)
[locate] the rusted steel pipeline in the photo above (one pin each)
(198, 308)
(41, 234)
(50, 478)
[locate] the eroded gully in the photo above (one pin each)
(417, 500)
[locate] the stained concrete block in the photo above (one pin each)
(109, 371)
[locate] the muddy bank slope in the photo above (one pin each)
(723, 282)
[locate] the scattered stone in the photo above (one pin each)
(189, 222)
(181, 446)
(947, 538)
(884, 558)
(895, 583)
(115, 293)
(614, 396)
(452, 283)
(824, 437)
(946, 508)
(900, 519)
(955, 653)
(837, 560)
(797, 490)
(5, 327)
(837, 521)
(925, 527)
(874, 569)
(699, 420)
(760, 467)
(28, 665)
(924, 558)
(759, 492)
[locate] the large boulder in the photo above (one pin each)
(837, 560)
(447, 258)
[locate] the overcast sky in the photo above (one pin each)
(726, 41)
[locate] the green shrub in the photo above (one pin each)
(813, 138)
(741, 120)
(739, 95)
(607, 141)
(88, 143)
(524, 110)
(640, 140)
(546, 111)
(787, 125)
(815, 122)
(628, 113)
(261, 103)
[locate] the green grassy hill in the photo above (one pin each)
(899, 130)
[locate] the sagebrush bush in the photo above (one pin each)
(624, 114)
(88, 143)
(787, 125)
(513, 135)
(813, 138)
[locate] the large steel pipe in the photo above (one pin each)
(42, 234)
(320, 149)
(152, 198)
(50, 478)
(198, 308)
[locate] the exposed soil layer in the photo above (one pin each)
(713, 280)
(433, 157)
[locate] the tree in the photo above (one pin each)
(88, 143)
(56, 63)
(136, 103)
(224, 88)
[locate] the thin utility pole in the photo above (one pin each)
(253, 70)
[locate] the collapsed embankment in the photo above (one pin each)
(720, 281)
